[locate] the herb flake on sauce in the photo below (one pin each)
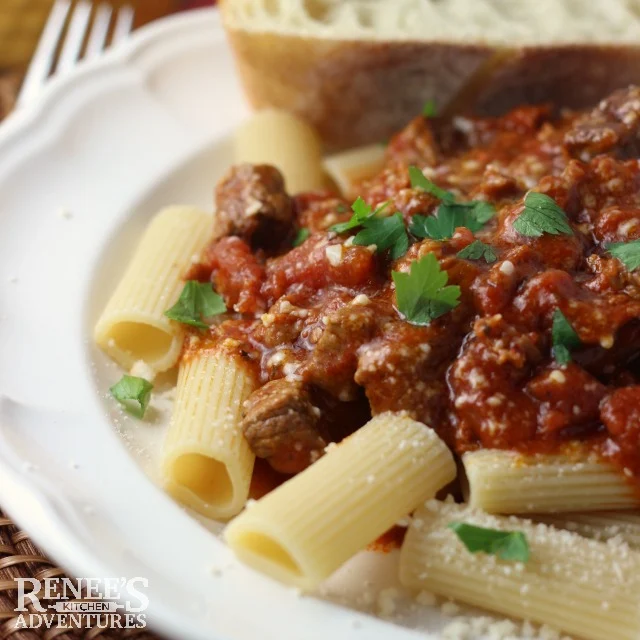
(361, 212)
(197, 301)
(385, 233)
(627, 252)
(422, 295)
(542, 214)
(478, 250)
(564, 338)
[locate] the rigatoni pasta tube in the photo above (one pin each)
(507, 482)
(305, 529)
(348, 168)
(279, 138)
(580, 586)
(600, 525)
(133, 325)
(206, 462)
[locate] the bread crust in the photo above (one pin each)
(574, 76)
(359, 92)
(353, 92)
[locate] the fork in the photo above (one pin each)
(73, 31)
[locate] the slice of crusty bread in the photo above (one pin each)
(360, 69)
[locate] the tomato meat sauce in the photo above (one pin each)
(320, 324)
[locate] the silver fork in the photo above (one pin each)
(58, 51)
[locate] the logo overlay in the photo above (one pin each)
(83, 603)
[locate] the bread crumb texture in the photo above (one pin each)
(494, 22)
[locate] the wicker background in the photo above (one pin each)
(20, 25)
(20, 558)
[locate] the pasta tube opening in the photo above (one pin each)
(301, 532)
(133, 326)
(206, 477)
(267, 554)
(142, 341)
(207, 463)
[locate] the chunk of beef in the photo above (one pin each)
(333, 361)
(236, 274)
(404, 369)
(495, 289)
(280, 424)
(557, 251)
(612, 127)
(253, 204)
(568, 397)
(620, 413)
(415, 144)
(487, 383)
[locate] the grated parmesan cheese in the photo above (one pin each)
(507, 268)
(387, 601)
(334, 254)
(141, 369)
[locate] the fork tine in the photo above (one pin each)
(75, 36)
(99, 31)
(124, 24)
(43, 58)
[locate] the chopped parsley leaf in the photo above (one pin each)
(420, 181)
(197, 302)
(361, 212)
(564, 338)
(450, 216)
(430, 110)
(301, 236)
(542, 214)
(507, 545)
(133, 394)
(422, 294)
(478, 250)
(627, 252)
(385, 233)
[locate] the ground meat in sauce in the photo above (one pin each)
(319, 324)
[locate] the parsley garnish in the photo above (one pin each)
(430, 110)
(450, 216)
(420, 181)
(361, 212)
(478, 250)
(133, 394)
(301, 236)
(627, 252)
(564, 338)
(507, 545)
(541, 214)
(385, 233)
(197, 301)
(421, 294)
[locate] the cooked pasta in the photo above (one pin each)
(509, 482)
(281, 139)
(600, 525)
(305, 529)
(133, 326)
(580, 586)
(207, 464)
(348, 168)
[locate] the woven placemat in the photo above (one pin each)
(20, 558)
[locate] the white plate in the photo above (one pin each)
(81, 172)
